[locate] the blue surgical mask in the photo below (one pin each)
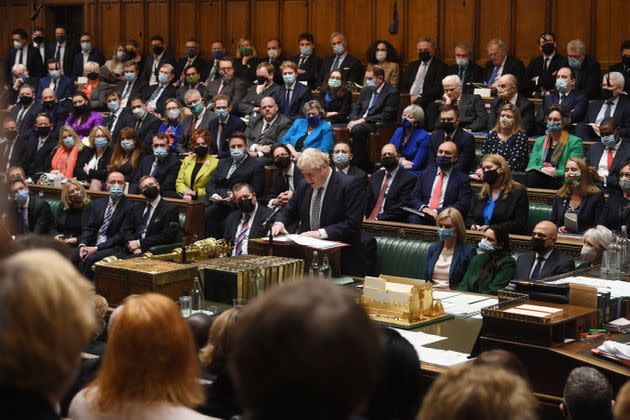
(562, 85)
(486, 246)
(341, 159)
(222, 114)
(237, 154)
(405, 123)
(461, 62)
(575, 63)
(306, 51)
(86, 46)
(609, 141)
(446, 234)
(217, 54)
(554, 127)
(100, 142)
(113, 106)
(160, 152)
(289, 79)
(314, 120)
(339, 49)
(370, 83)
(196, 108)
(162, 78)
(130, 77)
(21, 196)
(116, 191)
(69, 141)
(334, 83)
(54, 74)
(128, 145)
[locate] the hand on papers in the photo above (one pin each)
(278, 230)
(312, 234)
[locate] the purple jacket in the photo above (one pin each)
(83, 129)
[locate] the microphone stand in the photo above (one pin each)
(267, 225)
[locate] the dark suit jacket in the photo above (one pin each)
(16, 155)
(117, 229)
(65, 88)
(358, 173)
(622, 155)
(34, 63)
(472, 112)
(273, 134)
(432, 87)
(588, 212)
(246, 72)
(236, 90)
(232, 125)
(340, 104)
(575, 103)
(512, 66)
(184, 88)
(510, 213)
(94, 55)
(68, 56)
(615, 212)
(159, 231)
(546, 79)
(125, 119)
(278, 184)
(557, 263)
(146, 130)
(40, 217)
(28, 120)
(351, 68)
(621, 114)
(299, 96)
(465, 148)
(100, 172)
(138, 88)
(589, 78)
(459, 264)
(457, 193)
(383, 110)
(166, 172)
(34, 160)
(183, 145)
(250, 170)
(625, 70)
(396, 198)
(169, 91)
(252, 99)
(202, 66)
(523, 104)
(311, 68)
(145, 74)
(58, 115)
(473, 74)
(256, 230)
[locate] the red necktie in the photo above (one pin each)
(610, 158)
(437, 193)
(381, 197)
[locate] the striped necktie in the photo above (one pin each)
(107, 220)
(242, 234)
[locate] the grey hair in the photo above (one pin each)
(418, 114)
(600, 236)
(498, 42)
(577, 44)
(451, 78)
(314, 104)
(616, 78)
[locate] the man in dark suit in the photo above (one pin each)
(145, 124)
(424, 77)
(152, 223)
(376, 107)
(342, 162)
(30, 213)
(155, 61)
(573, 101)
(623, 67)
(544, 260)
(430, 196)
(285, 181)
(119, 116)
(192, 59)
(587, 69)
(25, 111)
(350, 67)
(19, 77)
(265, 86)
(265, 131)
(507, 92)
(39, 43)
(246, 222)
(606, 158)
(217, 49)
(132, 85)
(55, 109)
(191, 80)
(540, 76)
(64, 50)
(9, 149)
(223, 126)
(275, 56)
(293, 94)
(451, 131)
(105, 232)
(307, 61)
(21, 52)
(62, 85)
(329, 205)
(200, 117)
(88, 53)
(163, 165)
(157, 94)
(500, 63)
(389, 189)
(39, 148)
(238, 167)
(473, 115)
(227, 84)
(465, 68)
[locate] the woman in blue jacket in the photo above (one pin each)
(309, 132)
(448, 259)
(411, 139)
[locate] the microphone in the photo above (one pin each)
(269, 219)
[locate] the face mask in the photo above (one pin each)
(17, 45)
(548, 49)
(283, 162)
(131, 54)
(606, 94)
(196, 108)
(341, 159)
(314, 120)
(306, 51)
(76, 198)
(130, 77)
(445, 234)
(444, 162)
(100, 142)
(69, 142)
(554, 127)
(121, 55)
(339, 49)
(405, 123)
(573, 178)
(289, 79)
(490, 177)
(424, 55)
(48, 104)
(60, 39)
(334, 83)
(116, 191)
(246, 205)
(138, 113)
(86, 46)
(158, 50)
(574, 63)
(163, 78)
(172, 114)
(588, 253)
(389, 162)
(38, 39)
(486, 246)
(21, 196)
(273, 54)
(10, 134)
(201, 150)
(538, 245)
(26, 100)
(447, 126)
(222, 114)
(506, 122)
(160, 152)
(151, 192)
(370, 83)
(609, 141)
(43, 131)
(461, 62)
(217, 54)
(54, 74)
(562, 85)
(626, 59)
(113, 106)
(624, 184)
(191, 80)
(381, 55)
(246, 51)
(261, 80)
(237, 154)
(79, 109)
(128, 145)
(191, 53)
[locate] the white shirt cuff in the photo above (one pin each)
(323, 234)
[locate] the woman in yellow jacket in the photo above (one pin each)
(196, 169)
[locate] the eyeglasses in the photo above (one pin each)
(625, 175)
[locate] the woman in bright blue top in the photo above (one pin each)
(308, 132)
(411, 139)
(172, 126)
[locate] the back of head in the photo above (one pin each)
(199, 325)
(305, 350)
(622, 403)
(499, 358)
(587, 395)
(476, 392)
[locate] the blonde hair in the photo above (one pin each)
(458, 220)
(105, 131)
(67, 129)
(505, 180)
(47, 319)
(251, 45)
(518, 125)
(621, 409)
(216, 353)
(65, 199)
(313, 159)
(586, 185)
(100, 311)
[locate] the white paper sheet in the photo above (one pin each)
(462, 299)
(441, 294)
(418, 338)
(307, 241)
(617, 288)
(444, 358)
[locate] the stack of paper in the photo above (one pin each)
(615, 350)
(617, 288)
(418, 338)
(437, 357)
(464, 305)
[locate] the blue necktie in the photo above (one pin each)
(21, 221)
(336, 63)
(145, 220)
(536, 272)
(494, 75)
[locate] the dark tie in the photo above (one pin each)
(546, 65)
(287, 102)
(336, 63)
(145, 220)
(316, 208)
(193, 124)
(462, 73)
(153, 168)
(21, 221)
(301, 61)
(20, 57)
(58, 52)
(562, 98)
(156, 94)
(107, 220)
(608, 109)
(55, 85)
(138, 124)
(127, 90)
(112, 122)
(536, 272)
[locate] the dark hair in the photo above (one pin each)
(544, 35)
(157, 37)
(448, 108)
(161, 136)
(610, 122)
(52, 60)
(85, 34)
(566, 119)
(280, 146)
(487, 271)
(376, 70)
(135, 98)
(133, 42)
(33, 241)
(112, 92)
(306, 36)
(240, 185)
(200, 324)
(370, 54)
(192, 66)
(238, 135)
(341, 91)
(502, 359)
(130, 63)
(587, 395)
(21, 32)
(38, 29)
(277, 40)
(221, 97)
(572, 75)
(227, 58)
(625, 45)
(61, 26)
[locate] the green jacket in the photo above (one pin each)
(502, 276)
(573, 149)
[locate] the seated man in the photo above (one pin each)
(376, 106)
(613, 104)
(389, 189)
(472, 111)
(152, 223)
(238, 167)
(223, 126)
(25, 111)
(145, 124)
(440, 186)
(565, 94)
(247, 221)
(119, 117)
(507, 92)
(340, 59)
(38, 149)
(606, 158)
(61, 85)
(265, 86)
(342, 162)
(192, 80)
(285, 181)
(19, 78)
(227, 84)
(199, 119)
(587, 69)
(293, 94)
(157, 94)
(28, 213)
(500, 63)
(540, 76)
(450, 130)
(587, 395)
(10, 153)
(263, 132)
(132, 85)
(163, 165)
(329, 205)
(544, 260)
(104, 234)
(465, 69)
(55, 109)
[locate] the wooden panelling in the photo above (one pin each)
(237, 24)
(294, 22)
(572, 20)
(356, 24)
(109, 23)
(156, 23)
(383, 10)
(133, 23)
(422, 21)
(529, 24)
(494, 22)
(185, 26)
(457, 25)
(266, 24)
(210, 13)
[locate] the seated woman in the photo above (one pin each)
(578, 195)
(82, 119)
(196, 169)
(550, 152)
(246, 60)
(93, 160)
(411, 139)
(596, 241)
(383, 54)
(75, 213)
(133, 380)
(616, 212)
(312, 131)
(127, 152)
(501, 201)
(507, 139)
(112, 70)
(220, 395)
(66, 155)
(494, 268)
(448, 259)
(95, 89)
(172, 125)
(336, 98)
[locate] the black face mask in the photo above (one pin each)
(447, 126)
(424, 55)
(26, 100)
(261, 80)
(283, 162)
(490, 177)
(626, 59)
(538, 245)
(606, 94)
(151, 192)
(76, 198)
(60, 39)
(548, 49)
(38, 39)
(444, 162)
(92, 75)
(10, 134)
(48, 104)
(79, 109)
(158, 50)
(191, 53)
(389, 162)
(201, 150)
(246, 205)
(130, 54)
(43, 131)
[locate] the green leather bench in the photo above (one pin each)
(400, 257)
(537, 213)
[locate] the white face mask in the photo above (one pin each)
(381, 55)
(588, 253)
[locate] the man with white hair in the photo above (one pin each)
(472, 111)
(19, 78)
(465, 67)
(587, 69)
(507, 92)
(329, 205)
(612, 104)
(501, 63)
